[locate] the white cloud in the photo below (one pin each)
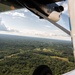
(36, 33)
(18, 14)
(7, 29)
(15, 14)
(12, 30)
(2, 26)
(53, 35)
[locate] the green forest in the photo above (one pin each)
(21, 55)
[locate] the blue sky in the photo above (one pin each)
(23, 22)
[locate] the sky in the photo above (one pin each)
(24, 23)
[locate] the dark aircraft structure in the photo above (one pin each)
(47, 7)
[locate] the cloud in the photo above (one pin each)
(41, 33)
(12, 30)
(55, 34)
(2, 26)
(7, 29)
(15, 14)
(18, 14)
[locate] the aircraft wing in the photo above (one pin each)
(70, 73)
(47, 7)
(15, 4)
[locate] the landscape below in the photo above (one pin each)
(21, 55)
